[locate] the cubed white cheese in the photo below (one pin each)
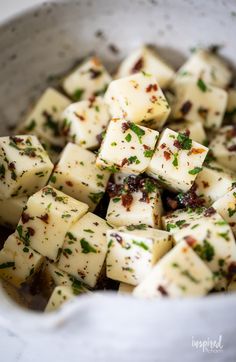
(208, 66)
(223, 147)
(88, 80)
(198, 101)
(77, 175)
(231, 105)
(175, 221)
(85, 249)
(213, 182)
(177, 160)
(126, 147)
(132, 252)
(45, 117)
(24, 166)
(18, 262)
(226, 207)
(125, 288)
(142, 205)
(60, 295)
(180, 273)
(195, 129)
(59, 277)
(147, 60)
(139, 99)
(212, 239)
(11, 210)
(84, 121)
(46, 220)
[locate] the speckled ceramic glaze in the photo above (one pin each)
(36, 48)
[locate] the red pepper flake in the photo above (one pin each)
(79, 116)
(125, 126)
(31, 255)
(94, 73)
(124, 161)
(203, 112)
(25, 217)
(177, 144)
(137, 66)
(162, 290)
(69, 183)
(16, 139)
(167, 155)
(127, 201)
(163, 145)
(186, 107)
(146, 147)
(232, 148)
(31, 231)
(210, 211)
(172, 203)
(44, 218)
(231, 270)
(151, 87)
(190, 240)
(205, 184)
(11, 166)
(197, 151)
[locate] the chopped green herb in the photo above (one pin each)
(141, 244)
(175, 161)
(170, 226)
(89, 231)
(185, 141)
(136, 227)
(137, 130)
(86, 247)
(53, 179)
(8, 264)
(116, 199)
(205, 251)
(95, 197)
(128, 137)
(77, 95)
(202, 85)
(187, 274)
(31, 126)
(148, 153)
(195, 170)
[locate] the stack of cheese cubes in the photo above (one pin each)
(139, 138)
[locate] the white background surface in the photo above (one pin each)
(10, 7)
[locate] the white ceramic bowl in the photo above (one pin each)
(40, 45)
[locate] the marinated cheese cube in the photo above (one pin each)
(45, 117)
(177, 160)
(147, 60)
(208, 66)
(84, 121)
(24, 166)
(195, 129)
(226, 207)
(18, 261)
(125, 288)
(138, 99)
(48, 216)
(213, 182)
(88, 80)
(231, 105)
(180, 273)
(223, 147)
(126, 147)
(59, 277)
(212, 239)
(175, 221)
(84, 249)
(61, 294)
(132, 252)
(11, 210)
(198, 101)
(77, 175)
(138, 202)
